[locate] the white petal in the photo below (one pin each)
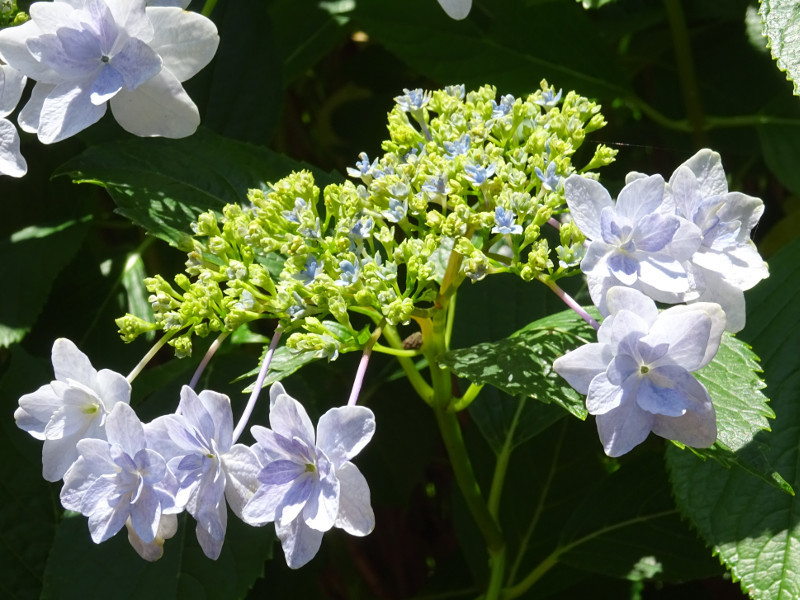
(707, 166)
(31, 113)
(14, 51)
(583, 364)
(456, 9)
(219, 408)
(241, 476)
(343, 432)
(130, 15)
(264, 504)
(640, 197)
(623, 298)
(289, 419)
(743, 208)
(663, 273)
(586, 199)
(71, 363)
(124, 428)
(300, 543)
(67, 110)
(112, 388)
(687, 332)
(729, 297)
(696, 428)
(12, 162)
(603, 396)
(355, 512)
(12, 84)
(58, 456)
(158, 107)
(186, 41)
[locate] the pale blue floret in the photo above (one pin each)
(549, 99)
(638, 376)
(397, 210)
(363, 166)
(294, 215)
(504, 108)
(246, 301)
(412, 100)
(308, 274)
(349, 275)
(459, 147)
(505, 222)
(362, 230)
(549, 178)
(437, 185)
(477, 175)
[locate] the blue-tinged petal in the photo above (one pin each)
(595, 258)
(30, 114)
(66, 111)
(196, 414)
(300, 543)
(323, 504)
(654, 231)
(78, 479)
(624, 267)
(289, 419)
(280, 472)
(15, 52)
(71, 418)
(145, 514)
(600, 281)
(622, 367)
(626, 329)
(219, 408)
(97, 454)
(183, 435)
(685, 241)
(296, 496)
(661, 393)
(586, 199)
(157, 437)
(263, 507)
(688, 332)
(743, 208)
(583, 364)
(105, 86)
(36, 409)
(355, 512)
(603, 396)
(640, 197)
(343, 432)
(610, 231)
(131, 16)
(58, 456)
(211, 529)
(268, 446)
(136, 63)
(729, 297)
(96, 496)
(124, 428)
(107, 520)
(697, 427)
(624, 428)
(151, 465)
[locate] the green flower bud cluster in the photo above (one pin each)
(463, 190)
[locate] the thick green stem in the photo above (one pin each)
(465, 478)
(417, 381)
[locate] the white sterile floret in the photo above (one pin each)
(12, 83)
(197, 442)
(456, 9)
(120, 479)
(308, 484)
(633, 242)
(637, 377)
(727, 262)
(72, 407)
(85, 54)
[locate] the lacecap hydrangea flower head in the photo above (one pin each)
(87, 54)
(638, 376)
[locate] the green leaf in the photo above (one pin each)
(754, 527)
(781, 19)
(522, 364)
(163, 185)
(32, 258)
(79, 569)
(502, 51)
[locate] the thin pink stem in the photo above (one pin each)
(569, 301)
(262, 375)
(362, 366)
